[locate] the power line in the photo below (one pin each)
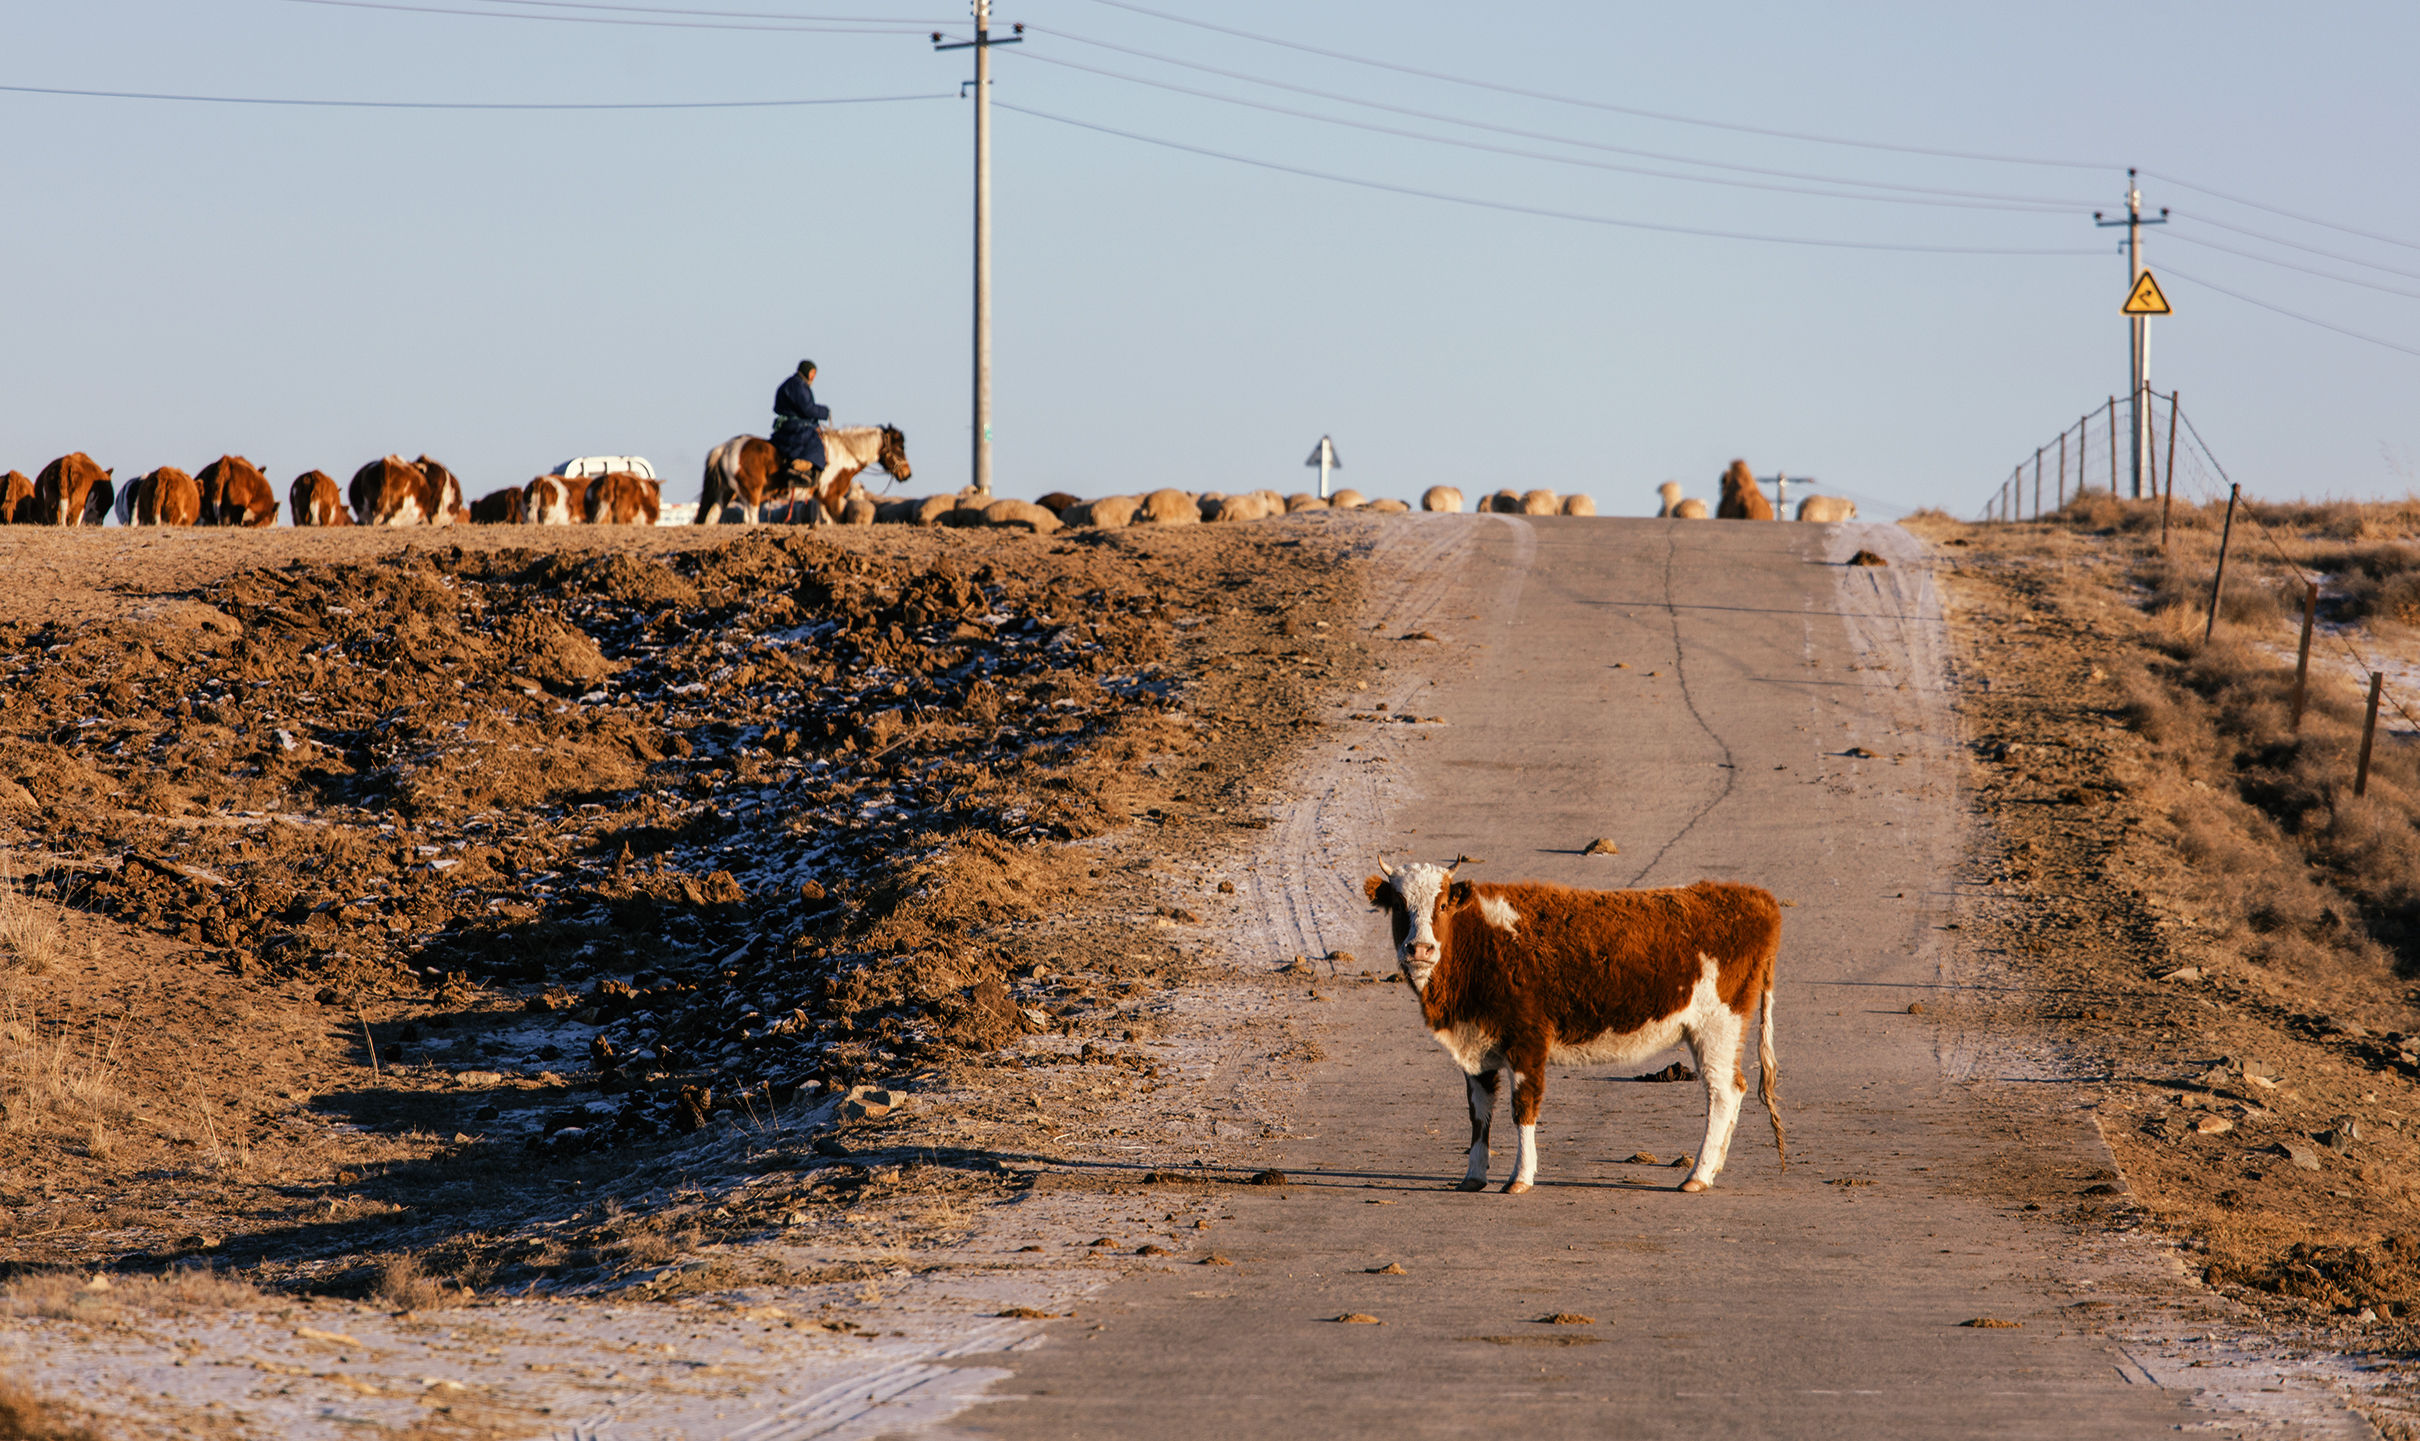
(2290, 265)
(1519, 209)
(2288, 214)
(2044, 202)
(2306, 249)
(1800, 135)
(469, 104)
(2291, 314)
(888, 28)
(1480, 145)
(730, 14)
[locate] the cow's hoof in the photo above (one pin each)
(1515, 1188)
(1472, 1183)
(1693, 1185)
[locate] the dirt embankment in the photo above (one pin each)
(2186, 886)
(381, 904)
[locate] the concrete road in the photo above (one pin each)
(1722, 700)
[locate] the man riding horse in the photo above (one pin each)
(798, 426)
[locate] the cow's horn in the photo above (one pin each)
(1383, 866)
(1461, 861)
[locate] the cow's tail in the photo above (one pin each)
(1768, 1073)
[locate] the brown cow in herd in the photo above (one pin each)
(622, 498)
(315, 500)
(16, 495)
(394, 491)
(72, 490)
(1529, 975)
(509, 506)
(167, 496)
(556, 500)
(234, 492)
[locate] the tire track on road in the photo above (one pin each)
(1680, 669)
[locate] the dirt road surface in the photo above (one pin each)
(1728, 701)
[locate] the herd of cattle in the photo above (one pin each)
(232, 491)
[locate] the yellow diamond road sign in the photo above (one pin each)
(2145, 298)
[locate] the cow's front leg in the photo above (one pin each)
(1529, 1090)
(1482, 1092)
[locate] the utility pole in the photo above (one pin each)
(2138, 413)
(982, 46)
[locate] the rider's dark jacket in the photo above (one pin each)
(796, 421)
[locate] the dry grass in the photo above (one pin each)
(30, 935)
(51, 1084)
(27, 1417)
(403, 1285)
(2300, 869)
(105, 1300)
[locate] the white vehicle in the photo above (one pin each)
(589, 467)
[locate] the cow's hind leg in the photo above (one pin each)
(1529, 1092)
(1482, 1092)
(1715, 1038)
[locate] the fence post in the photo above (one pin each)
(2302, 661)
(2219, 581)
(2168, 502)
(2113, 447)
(2369, 733)
(2037, 482)
(2062, 470)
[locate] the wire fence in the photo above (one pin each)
(2088, 455)
(2092, 455)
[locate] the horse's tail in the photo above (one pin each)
(719, 484)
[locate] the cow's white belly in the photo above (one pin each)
(1476, 1051)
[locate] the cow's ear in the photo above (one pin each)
(1459, 894)
(1372, 886)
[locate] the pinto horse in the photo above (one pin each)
(742, 475)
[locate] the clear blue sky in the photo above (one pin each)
(316, 287)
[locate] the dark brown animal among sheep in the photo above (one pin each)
(16, 495)
(1530, 975)
(315, 500)
(72, 490)
(234, 492)
(1743, 498)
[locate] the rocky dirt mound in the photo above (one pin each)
(740, 812)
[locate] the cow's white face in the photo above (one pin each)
(1414, 898)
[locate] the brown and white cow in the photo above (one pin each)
(315, 500)
(16, 499)
(500, 507)
(167, 496)
(557, 500)
(394, 491)
(444, 494)
(72, 490)
(1529, 975)
(234, 492)
(622, 498)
